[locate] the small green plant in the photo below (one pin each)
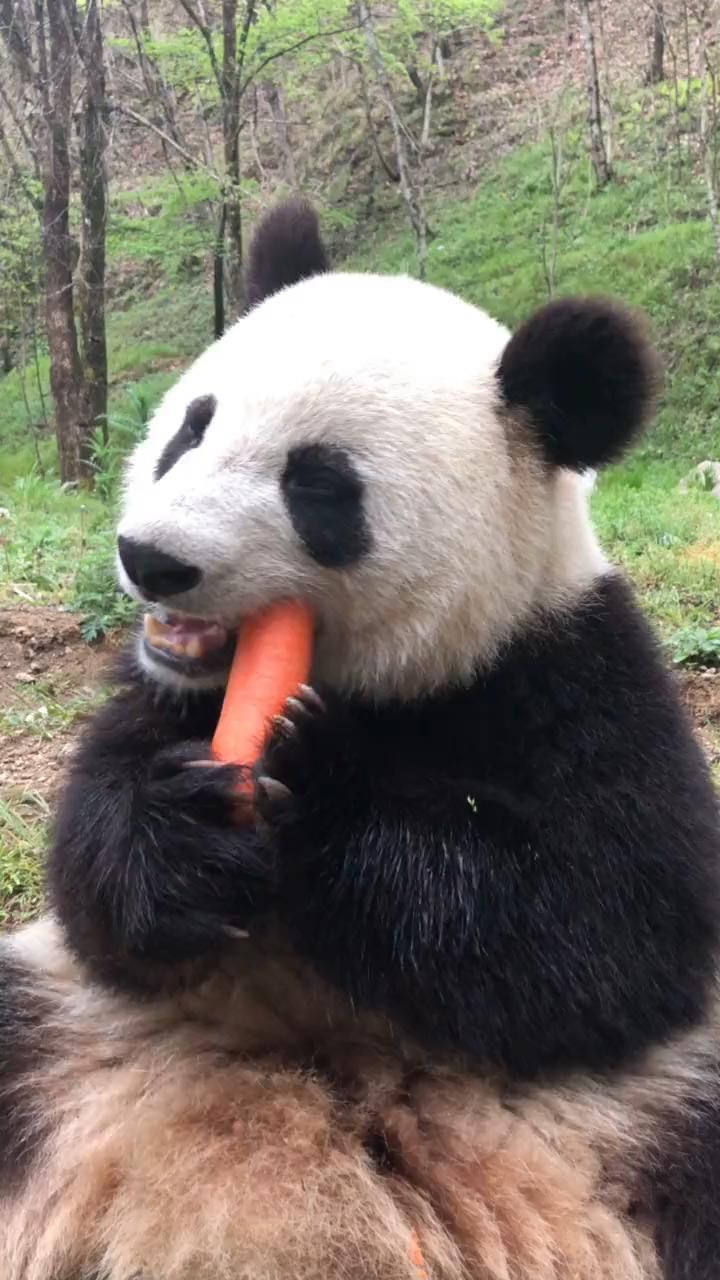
(111, 445)
(696, 646)
(46, 708)
(97, 598)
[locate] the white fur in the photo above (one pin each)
(189, 1140)
(470, 535)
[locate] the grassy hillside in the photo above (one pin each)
(646, 238)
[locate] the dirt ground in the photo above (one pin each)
(44, 660)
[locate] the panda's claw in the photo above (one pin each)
(299, 708)
(230, 931)
(311, 698)
(274, 792)
(285, 726)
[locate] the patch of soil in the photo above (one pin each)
(701, 694)
(42, 649)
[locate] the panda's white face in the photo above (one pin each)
(346, 443)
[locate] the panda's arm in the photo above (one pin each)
(147, 867)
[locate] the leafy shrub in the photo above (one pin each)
(110, 448)
(697, 646)
(97, 597)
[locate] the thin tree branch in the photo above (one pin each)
(250, 12)
(291, 48)
(197, 16)
(20, 126)
(19, 173)
(121, 109)
(15, 35)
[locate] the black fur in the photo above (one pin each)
(586, 375)
(324, 495)
(525, 871)
(25, 1045)
(198, 416)
(686, 1202)
(148, 865)
(285, 249)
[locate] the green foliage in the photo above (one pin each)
(110, 447)
(409, 20)
(19, 257)
(43, 709)
(668, 542)
(167, 223)
(23, 828)
(408, 31)
(182, 59)
(58, 545)
(644, 237)
(96, 596)
(697, 646)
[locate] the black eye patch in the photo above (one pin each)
(198, 416)
(324, 496)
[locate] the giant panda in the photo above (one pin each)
(448, 1010)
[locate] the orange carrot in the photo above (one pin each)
(417, 1257)
(272, 659)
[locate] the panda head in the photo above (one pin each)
(389, 453)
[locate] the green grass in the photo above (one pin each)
(645, 238)
(668, 542)
(46, 708)
(56, 546)
(23, 833)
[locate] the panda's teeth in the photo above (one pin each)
(184, 637)
(193, 648)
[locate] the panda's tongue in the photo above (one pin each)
(192, 638)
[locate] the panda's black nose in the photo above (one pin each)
(154, 572)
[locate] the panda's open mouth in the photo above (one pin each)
(191, 646)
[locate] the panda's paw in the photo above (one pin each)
(187, 775)
(291, 757)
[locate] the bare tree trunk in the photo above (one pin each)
(231, 151)
(65, 372)
(689, 61)
(417, 82)
(93, 193)
(219, 275)
(709, 135)
(276, 102)
(411, 193)
(606, 92)
(598, 153)
(556, 178)
(388, 169)
(427, 101)
(656, 70)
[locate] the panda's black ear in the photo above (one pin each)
(285, 248)
(586, 375)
